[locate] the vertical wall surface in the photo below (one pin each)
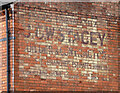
(3, 50)
(0, 51)
(66, 46)
(119, 50)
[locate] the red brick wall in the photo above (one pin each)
(66, 46)
(0, 52)
(119, 49)
(3, 50)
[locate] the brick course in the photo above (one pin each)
(65, 47)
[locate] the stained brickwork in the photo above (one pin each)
(65, 46)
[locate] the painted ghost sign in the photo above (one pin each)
(76, 36)
(66, 51)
